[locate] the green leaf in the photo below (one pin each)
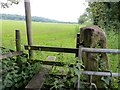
(77, 71)
(78, 65)
(106, 80)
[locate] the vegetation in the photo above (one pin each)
(34, 18)
(84, 18)
(19, 17)
(16, 73)
(105, 14)
(51, 34)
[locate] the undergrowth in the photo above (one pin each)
(16, 76)
(16, 73)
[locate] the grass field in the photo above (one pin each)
(54, 34)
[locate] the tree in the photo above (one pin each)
(106, 14)
(8, 3)
(83, 18)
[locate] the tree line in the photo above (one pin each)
(34, 18)
(20, 17)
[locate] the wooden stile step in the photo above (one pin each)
(37, 81)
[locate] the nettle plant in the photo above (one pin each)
(67, 78)
(15, 75)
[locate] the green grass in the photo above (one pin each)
(53, 34)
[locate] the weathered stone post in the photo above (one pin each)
(94, 37)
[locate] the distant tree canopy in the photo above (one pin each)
(8, 3)
(105, 14)
(34, 18)
(85, 17)
(20, 17)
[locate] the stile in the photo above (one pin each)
(89, 37)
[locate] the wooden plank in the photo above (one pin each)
(37, 81)
(46, 62)
(71, 50)
(60, 64)
(13, 51)
(52, 49)
(11, 54)
(100, 73)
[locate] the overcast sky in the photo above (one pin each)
(63, 10)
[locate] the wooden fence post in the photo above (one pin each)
(18, 43)
(77, 43)
(28, 25)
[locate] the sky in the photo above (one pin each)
(62, 10)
